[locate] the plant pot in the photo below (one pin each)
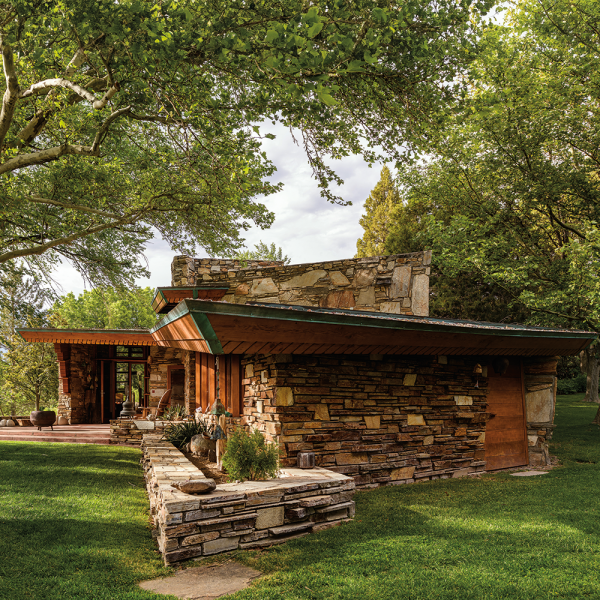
(3, 423)
(62, 421)
(42, 418)
(10, 423)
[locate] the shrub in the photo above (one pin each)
(576, 385)
(180, 434)
(247, 456)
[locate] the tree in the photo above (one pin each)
(105, 308)
(375, 221)
(123, 118)
(263, 252)
(28, 372)
(517, 166)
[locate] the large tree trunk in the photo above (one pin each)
(591, 367)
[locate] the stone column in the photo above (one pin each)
(540, 402)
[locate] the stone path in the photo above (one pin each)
(528, 473)
(204, 583)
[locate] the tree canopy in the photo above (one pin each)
(375, 221)
(120, 119)
(105, 308)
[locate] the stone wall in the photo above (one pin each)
(161, 359)
(394, 284)
(248, 515)
(540, 402)
(383, 420)
(79, 405)
(125, 432)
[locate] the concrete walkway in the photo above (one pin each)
(73, 434)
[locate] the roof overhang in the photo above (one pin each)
(115, 337)
(167, 298)
(223, 328)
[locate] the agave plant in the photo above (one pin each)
(181, 434)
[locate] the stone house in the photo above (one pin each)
(340, 358)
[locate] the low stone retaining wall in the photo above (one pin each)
(246, 515)
(125, 431)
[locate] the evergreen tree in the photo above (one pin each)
(376, 219)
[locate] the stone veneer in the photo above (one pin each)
(380, 419)
(540, 401)
(387, 419)
(79, 405)
(397, 283)
(247, 515)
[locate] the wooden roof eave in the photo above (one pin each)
(220, 328)
(93, 337)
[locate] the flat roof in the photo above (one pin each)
(219, 327)
(113, 337)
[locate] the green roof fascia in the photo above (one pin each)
(360, 319)
(194, 289)
(203, 326)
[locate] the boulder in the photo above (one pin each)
(200, 444)
(196, 486)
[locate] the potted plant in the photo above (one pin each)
(42, 417)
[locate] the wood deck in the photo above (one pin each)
(72, 434)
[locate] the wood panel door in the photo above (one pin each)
(506, 431)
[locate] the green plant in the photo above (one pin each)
(574, 385)
(247, 456)
(174, 412)
(182, 433)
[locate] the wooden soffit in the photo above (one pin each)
(167, 298)
(114, 337)
(222, 328)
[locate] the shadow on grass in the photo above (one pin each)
(74, 522)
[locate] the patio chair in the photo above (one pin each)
(163, 403)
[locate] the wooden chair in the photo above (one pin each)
(163, 403)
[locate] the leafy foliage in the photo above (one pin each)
(105, 308)
(375, 221)
(247, 456)
(146, 116)
(263, 252)
(180, 434)
(28, 372)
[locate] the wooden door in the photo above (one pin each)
(506, 431)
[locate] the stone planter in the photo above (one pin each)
(42, 418)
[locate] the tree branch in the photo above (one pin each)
(44, 156)
(38, 200)
(64, 241)
(49, 84)
(11, 95)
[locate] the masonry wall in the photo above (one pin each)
(540, 401)
(394, 284)
(382, 420)
(79, 405)
(161, 359)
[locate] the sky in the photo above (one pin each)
(306, 227)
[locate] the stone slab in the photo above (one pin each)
(204, 583)
(529, 473)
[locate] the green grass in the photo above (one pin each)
(72, 526)
(74, 523)
(495, 537)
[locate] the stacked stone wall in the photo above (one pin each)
(397, 283)
(79, 405)
(125, 431)
(540, 401)
(247, 515)
(161, 359)
(382, 420)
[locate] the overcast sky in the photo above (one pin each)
(306, 227)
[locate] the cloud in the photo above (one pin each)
(306, 227)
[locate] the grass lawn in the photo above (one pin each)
(73, 526)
